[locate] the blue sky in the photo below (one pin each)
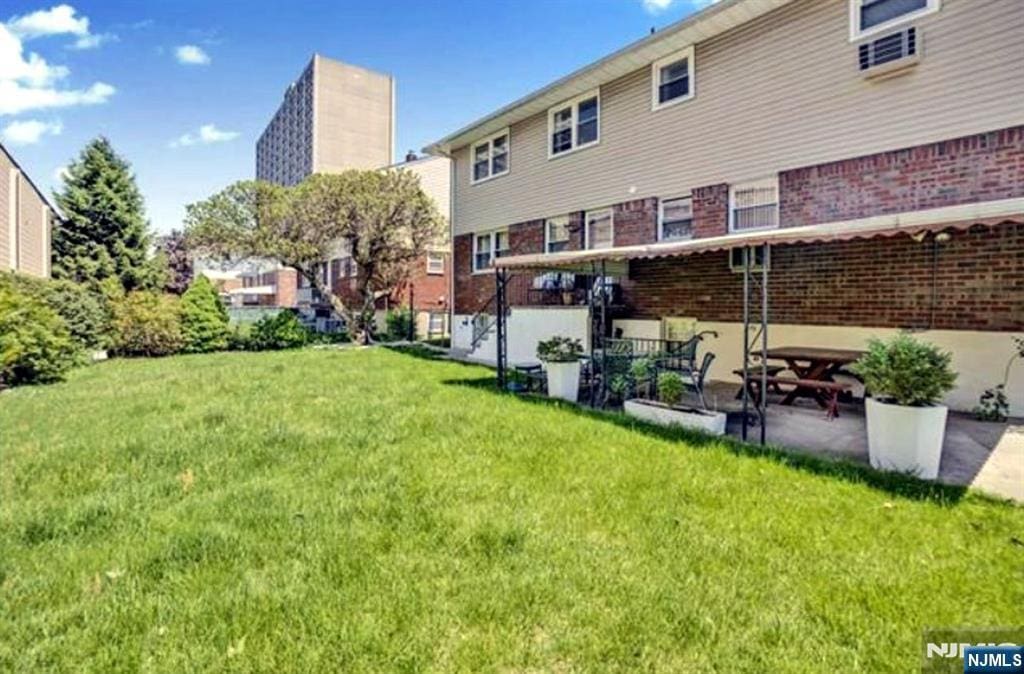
(184, 88)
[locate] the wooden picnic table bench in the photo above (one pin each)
(826, 392)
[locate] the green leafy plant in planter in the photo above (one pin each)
(905, 371)
(559, 350)
(670, 389)
(993, 405)
(642, 373)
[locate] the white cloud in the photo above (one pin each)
(92, 40)
(60, 174)
(191, 55)
(59, 20)
(659, 6)
(207, 135)
(30, 131)
(29, 82)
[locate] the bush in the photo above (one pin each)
(399, 325)
(82, 308)
(559, 350)
(35, 344)
(670, 388)
(204, 320)
(147, 324)
(281, 331)
(905, 371)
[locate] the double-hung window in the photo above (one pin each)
(556, 234)
(574, 125)
(868, 17)
(754, 205)
(672, 79)
(490, 157)
(675, 219)
(487, 247)
(435, 263)
(600, 229)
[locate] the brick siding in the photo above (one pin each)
(978, 283)
(711, 211)
(636, 222)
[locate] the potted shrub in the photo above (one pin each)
(667, 410)
(561, 358)
(906, 424)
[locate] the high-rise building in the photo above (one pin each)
(334, 117)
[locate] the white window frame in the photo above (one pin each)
(438, 258)
(755, 266)
(656, 67)
(586, 226)
(661, 217)
(489, 142)
(574, 103)
(771, 181)
(855, 30)
(547, 231)
(492, 251)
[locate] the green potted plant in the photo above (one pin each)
(668, 409)
(906, 379)
(561, 358)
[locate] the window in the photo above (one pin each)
(600, 231)
(754, 205)
(737, 257)
(487, 247)
(556, 234)
(490, 157)
(675, 219)
(574, 125)
(872, 16)
(435, 263)
(672, 79)
(435, 326)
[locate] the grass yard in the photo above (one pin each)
(368, 510)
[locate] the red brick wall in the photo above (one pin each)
(983, 167)
(710, 211)
(429, 291)
(287, 282)
(636, 222)
(978, 283)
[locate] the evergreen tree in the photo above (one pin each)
(104, 233)
(204, 320)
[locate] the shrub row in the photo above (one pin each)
(47, 327)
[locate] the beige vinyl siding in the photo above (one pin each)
(435, 181)
(5, 212)
(32, 232)
(781, 92)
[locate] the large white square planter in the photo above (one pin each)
(700, 420)
(563, 380)
(906, 439)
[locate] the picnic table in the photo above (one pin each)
(813, 364)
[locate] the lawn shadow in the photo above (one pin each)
(897, 484)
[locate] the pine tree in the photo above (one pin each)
(204, 320)
(104, 233)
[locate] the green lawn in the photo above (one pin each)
(368, 510)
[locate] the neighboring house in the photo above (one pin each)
(428, 288)
(877, 145)
(26, 221)
(265, 285)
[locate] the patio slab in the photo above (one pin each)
(983, 455)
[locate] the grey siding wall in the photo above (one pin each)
(779, 93)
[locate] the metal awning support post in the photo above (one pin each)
(750, 344)
(604, 333)
(501, 302)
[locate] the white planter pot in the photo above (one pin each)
(563, 380)
(906, 439)
(701, 420)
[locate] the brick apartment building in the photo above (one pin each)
(886, 177)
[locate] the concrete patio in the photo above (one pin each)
(983, 455)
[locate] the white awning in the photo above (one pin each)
(254, 290)
(615, 260)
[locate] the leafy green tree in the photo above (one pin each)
(204, 320)
(104, 232)
(382, 219)
(147, 324)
